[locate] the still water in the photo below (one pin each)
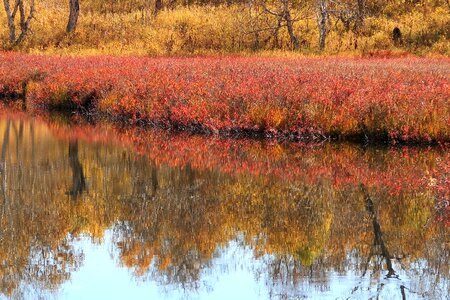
(101, 212)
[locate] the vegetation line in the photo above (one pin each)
(367, 100)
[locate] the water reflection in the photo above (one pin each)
(191, 215)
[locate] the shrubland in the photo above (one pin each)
(396, 100)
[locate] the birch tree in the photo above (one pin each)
(322, 21)
(284, 17)
(25, 17)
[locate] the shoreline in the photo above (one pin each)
(365, 101)
(82, 116)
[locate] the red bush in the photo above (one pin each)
(401, 99)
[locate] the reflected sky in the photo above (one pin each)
(93, 211)
(234, 273)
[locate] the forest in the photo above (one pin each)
(193, 27)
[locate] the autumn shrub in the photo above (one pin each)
(182, 31)
(197, 29)
(402, 99)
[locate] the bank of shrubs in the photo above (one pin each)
(397, 100)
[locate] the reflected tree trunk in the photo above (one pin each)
(5, 146)
(155, 184)
(143, 187)
(78, 180)
(33, 165)
(33, 143)
(378, 234)
(5, 142)
(19, 148)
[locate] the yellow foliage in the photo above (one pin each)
(134, 30)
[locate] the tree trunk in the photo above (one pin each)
(158, 6)
(21, 14)
(290, 25)
(10, 17)
(24, 23)
(24, 20)
(171, 4)
(322, 20)
(73, 16)
(360, 14)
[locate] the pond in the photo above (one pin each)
(97, 211)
